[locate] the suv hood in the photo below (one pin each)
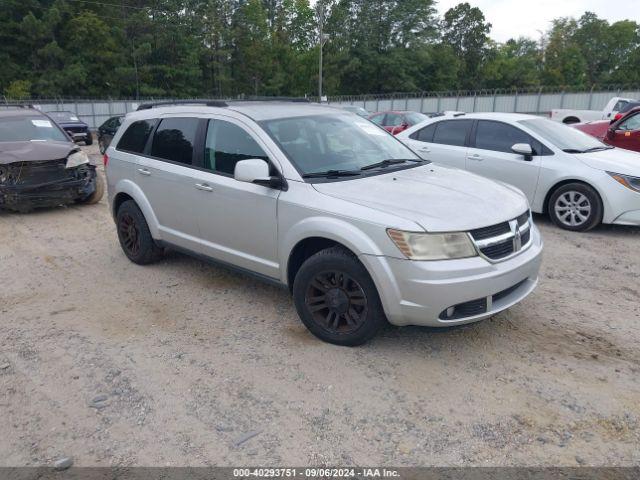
(438, 198)
(11, 152)
(617, 160)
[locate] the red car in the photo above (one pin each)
(622, 133)
(396, 121)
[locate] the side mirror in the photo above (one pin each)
(523, 149)
(256, 171)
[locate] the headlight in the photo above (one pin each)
(76, 159)
(632, 183)
(433, 246)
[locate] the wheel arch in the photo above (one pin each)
(314, 234)
(128, 190)
(557, 185)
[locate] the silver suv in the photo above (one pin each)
(359, 228)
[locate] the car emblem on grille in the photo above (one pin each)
(517, 236)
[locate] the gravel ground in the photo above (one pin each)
(184, 363)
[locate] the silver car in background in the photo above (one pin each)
(358, 227)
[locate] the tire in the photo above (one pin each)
(134, 235)
(576, 207)
(89, 139)
(101, 146)
(97, 194)
(336, 298)
(571, 120)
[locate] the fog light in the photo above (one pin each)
(451, 311)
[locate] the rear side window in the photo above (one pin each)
(452, 132)
(135, 137)
(425, 134)
(226, 145)
(499, 137)
(174, 140)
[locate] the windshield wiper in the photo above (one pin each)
(332, 174)
(386, 163)
(595, 149)
(588, 150)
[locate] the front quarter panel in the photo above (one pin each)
(305, 213)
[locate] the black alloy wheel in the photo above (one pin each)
(337, 302)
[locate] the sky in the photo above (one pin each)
(514, 18)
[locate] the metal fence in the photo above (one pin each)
(535, 101)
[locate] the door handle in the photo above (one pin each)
(204, 187)
(475, 157)
(425, 150)
(144, 171)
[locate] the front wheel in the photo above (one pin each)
(336, 298)
(576, 207)
(97, 194)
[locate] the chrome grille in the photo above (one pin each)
(503, 240)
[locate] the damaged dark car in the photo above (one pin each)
(40, 166)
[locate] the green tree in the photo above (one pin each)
(464, 28)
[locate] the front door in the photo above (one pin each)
(237, 220)
(627, 134)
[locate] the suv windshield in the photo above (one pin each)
(24, 129)
(565, 138)
(336, 143)
(64, 116)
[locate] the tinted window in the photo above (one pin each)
(226, 145)
(632, 123)
(425, 134)
(174, 139)
(135, 137)
(452, 132)
(499, 137)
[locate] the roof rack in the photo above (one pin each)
(221, 103)
(208, 103)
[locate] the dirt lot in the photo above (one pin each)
(179, 363)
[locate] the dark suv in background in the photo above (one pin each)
(70, 123)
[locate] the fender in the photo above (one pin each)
(135, 192)
(330, 228)
(543, 194)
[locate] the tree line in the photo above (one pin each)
(219, 48)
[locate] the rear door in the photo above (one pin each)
(490, 155)
(448, 143)
(627, 134)
(167, 176)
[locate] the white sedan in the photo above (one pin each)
(578, 180)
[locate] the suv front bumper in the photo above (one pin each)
(418, 293)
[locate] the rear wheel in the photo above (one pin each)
(576, 207)
(102, 146)
(88, 139)
(336, 298)
(134, 235)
